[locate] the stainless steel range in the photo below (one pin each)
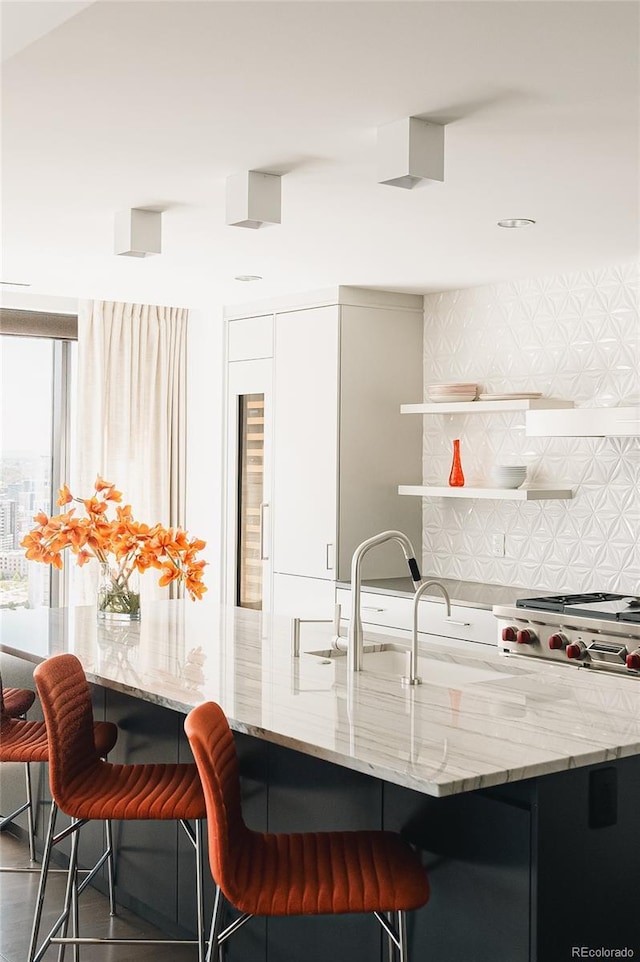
(599, 631)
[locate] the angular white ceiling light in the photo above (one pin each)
(138, 233)
(253, 199)
(410, 150)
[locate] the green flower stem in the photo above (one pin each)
(118, 600)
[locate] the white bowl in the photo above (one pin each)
(508, 476)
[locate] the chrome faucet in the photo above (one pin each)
(413, 678)
(356, 635)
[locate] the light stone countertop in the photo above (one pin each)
(473, 594)
(490, 720)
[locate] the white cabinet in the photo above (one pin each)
(342, 362)
(306, 453)
(303, 597)
(339, 440)
(249, 338)
(394, 612)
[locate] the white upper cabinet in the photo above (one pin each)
(305, 431)
(250, 338)
(339, 440)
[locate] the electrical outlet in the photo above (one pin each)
(497, 545)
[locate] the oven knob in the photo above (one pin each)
(509, 634)
(633, 660)
(558, 641)
(576, 649)
(526, 637)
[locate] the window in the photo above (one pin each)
(36, 378)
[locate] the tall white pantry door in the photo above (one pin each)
(306, 424)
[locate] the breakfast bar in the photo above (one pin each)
(519, 783)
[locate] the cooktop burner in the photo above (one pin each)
(592, 605)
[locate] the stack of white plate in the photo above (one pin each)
(508, 475)
(452, 392)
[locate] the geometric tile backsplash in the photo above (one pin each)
(572, 336)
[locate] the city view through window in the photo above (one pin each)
(26, 464)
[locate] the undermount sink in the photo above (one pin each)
(390, 659)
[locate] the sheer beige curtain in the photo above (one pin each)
(131, 413)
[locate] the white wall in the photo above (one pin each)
(24, 301)
(205, 393)
(573, 336)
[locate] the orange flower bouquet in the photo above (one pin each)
(123, 547)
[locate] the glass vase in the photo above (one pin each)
(118, 599)
(456, 478)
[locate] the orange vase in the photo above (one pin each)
(456, 478)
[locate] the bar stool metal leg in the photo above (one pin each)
(202, 945)
(391, 949)
(75, 918)
(195, 837)
(108, 831)
(44, 869)
(213, 954)
(70, 908)
(27, 807)
(30, 818)
(402, 935)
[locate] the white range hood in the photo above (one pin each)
(584, 422)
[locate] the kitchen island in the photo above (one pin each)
(520, 783)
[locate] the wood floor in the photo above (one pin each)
(17, 898)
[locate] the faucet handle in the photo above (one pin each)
(416, 577)
(296, 622)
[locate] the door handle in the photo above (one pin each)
(329, 557)
(263, 555)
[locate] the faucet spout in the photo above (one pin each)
(356, 634)
(413, 678)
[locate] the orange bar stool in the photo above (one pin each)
(86, 787)
(26, 742)
(17, 701)
(315, 873)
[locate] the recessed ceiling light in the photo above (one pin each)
(247, 277)
(516, 222)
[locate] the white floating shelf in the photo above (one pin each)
(486, 407)
(585, 422)
(497, 494)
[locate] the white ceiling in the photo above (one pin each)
(153, 104)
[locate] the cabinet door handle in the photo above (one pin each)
(371, 608)
(329, 558)
(263, 555)
(461, 624)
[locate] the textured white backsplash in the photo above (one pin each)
(573, 336)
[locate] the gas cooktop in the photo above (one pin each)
(591, 605)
